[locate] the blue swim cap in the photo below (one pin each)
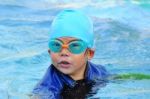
(73, 23)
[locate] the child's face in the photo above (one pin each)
(68, 63)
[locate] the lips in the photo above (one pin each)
(64, 64)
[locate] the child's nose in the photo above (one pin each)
(64, 52)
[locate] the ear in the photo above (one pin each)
(90, 53)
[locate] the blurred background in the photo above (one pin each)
(122, 34)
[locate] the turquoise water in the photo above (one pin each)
(122, 34)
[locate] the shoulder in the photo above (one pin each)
(50, 83)
(98, 71)
(50, 75)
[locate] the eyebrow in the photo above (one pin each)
(69, 41)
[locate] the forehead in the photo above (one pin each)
(67, 39)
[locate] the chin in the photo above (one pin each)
(66, 72)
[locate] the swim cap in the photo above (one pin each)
(73, 23)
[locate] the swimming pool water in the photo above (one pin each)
(122, 34)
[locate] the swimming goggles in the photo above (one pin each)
(75, 47)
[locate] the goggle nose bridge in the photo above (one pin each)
(65, 46)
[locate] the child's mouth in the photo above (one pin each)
(64, 64)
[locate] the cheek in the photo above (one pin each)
(54, 57)
(80, 59)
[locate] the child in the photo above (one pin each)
(71, 75)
